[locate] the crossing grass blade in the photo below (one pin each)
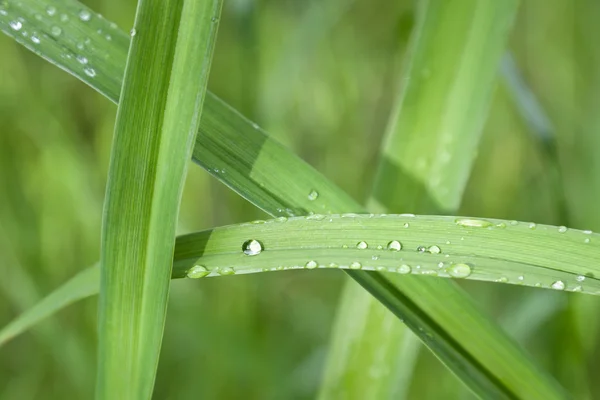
(157, 120)
(426, 160)
(243, 157)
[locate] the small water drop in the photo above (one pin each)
(520, 277)
(316, 217)
(85, 15)
(375, 257)
(15, 25)
(562, 229)
(532, 225)
(214, 19)
(586, 240)
(64, 18)
(434, 249)
(132, 32)
(422, 249)
(405, 215)
(394, 245)
(197, 271)
(501, 225)
(4, 13)
(108, 37)
(580, 278)
(381, 269)
(502, 279)
(252, 247)
(362, 245)
(459, 270)
(355, 265)
(404, 269)
(226, 271)
(50, 10)
(281, 219)
(513, 222)
(406, 225)
(82, 60)
(312, 264)
(333, 265)
(89, 71)
(55, 31)
(588, 232)
(313, 195)
(473, 223)
(577, 289)
(430, 272)
(35, 39)
(558, 285)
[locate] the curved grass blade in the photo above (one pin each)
(157, 120)
(245, 160)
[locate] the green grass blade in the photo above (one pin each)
(426, 159)
(248, 158)
(157, 120)
(84, 284)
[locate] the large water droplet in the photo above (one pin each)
(394, 245)
(473, 223)
(562, 229)
(404, 269)
(434, 249)
(313, 195)
(459, 270)
(55, 31)
(91, 72)
(15, 25)
(558, 285)
(355, 265)
(252, 247)
(362, 245)
(226, 271)
(312, 264)
(197, 271)
(85, 15)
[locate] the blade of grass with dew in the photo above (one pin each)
(237, 153)
(491, 250)
(426, 160)
(157, 120)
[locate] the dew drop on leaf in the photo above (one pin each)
(313, 195)
(312, 264)
(226, 271)
(558, 285)
(404, 269)
(252, 247)
(197, 271)
(394, 245)
(362, 245)
(85, 15)
(355, 265)
(473, 223)
(460, 270)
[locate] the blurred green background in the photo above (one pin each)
(321, 77)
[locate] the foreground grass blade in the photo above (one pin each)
(426, 160)
(157, 120)
(243, 157)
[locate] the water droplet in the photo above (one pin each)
(82, 59)
(513, 222)
(312, 264)
(89, 71)
(404, 269)
(562, 229)
(558, 285)
(85, 15)
(587, 232)
(132, 32)
(434, 249)
(35, 39)
(406, 225)
(313, 195)
(16, 25)
(502, 279)
(344, 246)
(226, 271)
(501, 225)
(375, 258)
(577, 289)
(108, 37)
(459, 270)
(50, 10)
(214, 19)
(197, 271)
(355, 265)
(4, 13)
(580, 278)
(394, 245)
(333, 265)
(55, 31)
(532, 225)
(64, 18)
(430, 272)
(316, 217)
(441, 264)
(381, 269)
(406, 215)
(586, 240)
(362, 245)
(281, 219)
(521, 277)
(252, 247)
(421, 249)
(473, 223)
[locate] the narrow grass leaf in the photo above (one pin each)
(157, 120)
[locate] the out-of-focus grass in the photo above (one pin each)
(331, 108)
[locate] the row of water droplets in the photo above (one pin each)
(556, 285)
(57, 22)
